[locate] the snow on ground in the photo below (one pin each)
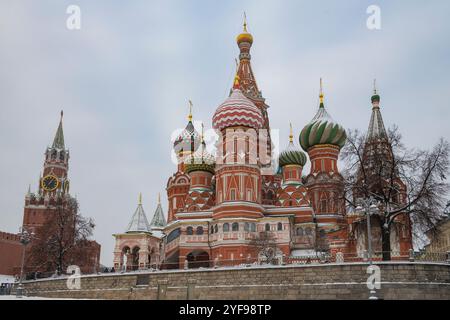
(11, 297)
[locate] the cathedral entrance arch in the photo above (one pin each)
(134, 265)
(198, 259)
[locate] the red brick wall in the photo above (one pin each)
(10, 253)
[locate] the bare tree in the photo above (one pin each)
(63, 239)
(264, 244)
(407, 183)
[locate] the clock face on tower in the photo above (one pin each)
(50, 183)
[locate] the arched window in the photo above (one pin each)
(323, 205)
(246, 226)
(173, 235)
(280, 226)
(253, 227)
(267, 227)
(308, 231)
(226, 227)
(212, 229)
(235, 226)
(216, 228)
(189, 231)
(199, 230)
(299, 232)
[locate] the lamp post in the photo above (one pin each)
(25, 239)
(370, 207)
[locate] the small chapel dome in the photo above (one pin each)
(322, 129)
(245, 36)
(201, 160)
(292, 155)
(189, 138)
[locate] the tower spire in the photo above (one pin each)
(58, 141)
(159, 198)
(376, 126)
(140, 198)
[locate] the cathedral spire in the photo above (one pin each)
(158, 220)
(139, 222)
(376, 125)
(58, 141)
(244, 69)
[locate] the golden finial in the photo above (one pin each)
(236, 84)
(291, 133)
(140, 198)
(374, 86)
(321, 92)
(190, 111)
(245, 22)
(203, 135)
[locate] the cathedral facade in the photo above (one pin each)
(228, 208)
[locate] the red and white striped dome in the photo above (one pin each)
(237, 110)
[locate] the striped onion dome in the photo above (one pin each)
(188, 140)
(292, 155)
(322, 130)
(237, 110)
(201, 160)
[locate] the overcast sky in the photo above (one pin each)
(124, 79)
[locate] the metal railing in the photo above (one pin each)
(5, 289)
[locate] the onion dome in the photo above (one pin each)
(237, 110)
(322, 129)
(292, 155)
(201, 160)
(376, 129)
(189, 139)
(245, 36)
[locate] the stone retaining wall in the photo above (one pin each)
(402, 280)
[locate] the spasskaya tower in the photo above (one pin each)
(53, 183)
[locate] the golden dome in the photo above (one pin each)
(244, 36)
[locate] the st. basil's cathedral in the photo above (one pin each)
(219, 205)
